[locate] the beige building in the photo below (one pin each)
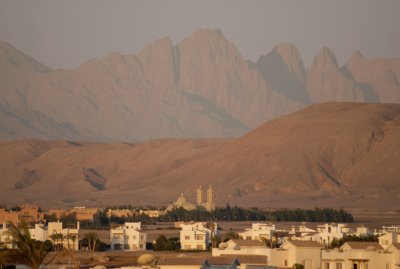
(30, 213)
(181, 202)
(242, 247)
(57, 212)
(120, 213)
(83, 213)
(358, 255)
(152, 213)
(54, 232)
(9, 216)
(327, 232)
(67, 237)
(197, 236)
(5, 238)
(307, 253)
(258, 231)
(128, 237)
(209, 204)
(389, 238)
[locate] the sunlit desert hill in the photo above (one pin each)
(335, 153)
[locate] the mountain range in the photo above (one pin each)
(330, 154)
(201, 87)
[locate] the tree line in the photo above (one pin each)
(228, 213)
(239, 214)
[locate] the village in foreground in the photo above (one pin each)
(127, 243)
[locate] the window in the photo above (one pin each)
(133, 236)
(339, 265)
(187, 237)
(285, 262)
(326, 265)
(200, 247)
(199, 237)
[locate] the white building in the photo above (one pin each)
(258, 231)
(39, 233)
(238, 247)
(307, 253)
(387, 229)
(387, 239)
(327, 232)
(5, 238)
(128, 237)
(67, 237)
(197, 235)
(358, 255)
(362, 231)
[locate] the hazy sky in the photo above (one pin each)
(67, 33)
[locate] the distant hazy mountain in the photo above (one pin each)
(201, 87)
(341, 154)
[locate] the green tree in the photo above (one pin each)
(231, 235)
(164, 244)
(298, 266)
(215, 240)
(29, 252)
(93, 241)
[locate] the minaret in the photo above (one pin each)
(199, 196)
(210, 199)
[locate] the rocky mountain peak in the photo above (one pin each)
(10, 56)
(326, 57)
(292, 58)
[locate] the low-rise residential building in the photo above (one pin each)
(63, 237)
(394, 249)
(128, 237)
(8, 215)
(39, 232)
(327, 232)
(307, 253)
(66, 237)
(152, 213)
(31, 213)
(5, 238)
(241, 247)
(57, 212)
(358, 255)
(362, 231)
(389, 238)
(197, 235)
(83, 213)
(120, 213)
(387, 229)
(258, 231)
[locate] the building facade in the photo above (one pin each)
(128, 237)
(197, 236)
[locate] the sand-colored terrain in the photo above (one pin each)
(331, 154)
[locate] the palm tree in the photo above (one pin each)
(91, 239)
(29, 252)
(53, 238)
